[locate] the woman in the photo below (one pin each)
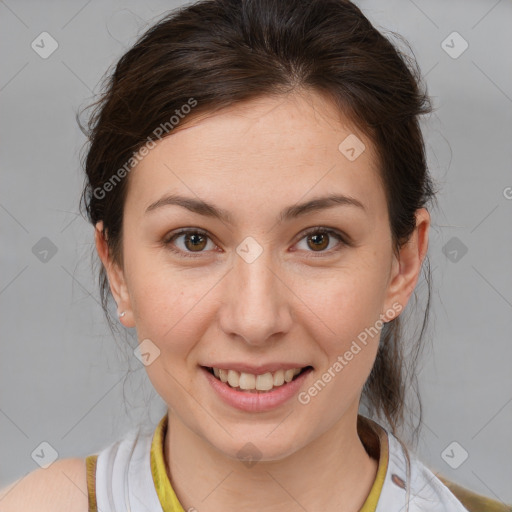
(257, 182)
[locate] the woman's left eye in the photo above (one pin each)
(319, 238)
(195, 241)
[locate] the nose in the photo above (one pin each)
(257, 308)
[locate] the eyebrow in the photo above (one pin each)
(291, 212)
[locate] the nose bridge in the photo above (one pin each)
(256, 308)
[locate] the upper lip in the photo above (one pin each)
(255, 369)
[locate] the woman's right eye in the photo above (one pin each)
(193, 241)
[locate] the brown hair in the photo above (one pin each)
(223, 52)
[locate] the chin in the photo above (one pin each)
(256, 444)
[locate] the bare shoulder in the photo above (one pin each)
(60, 487)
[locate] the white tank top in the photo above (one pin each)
(124, 480)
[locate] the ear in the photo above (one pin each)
(115, 276)
(406, 269)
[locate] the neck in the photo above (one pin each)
(332, 471)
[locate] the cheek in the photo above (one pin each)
(170, 312)
(346, 302)
(348, 335)
(170, 307)
(346, 326)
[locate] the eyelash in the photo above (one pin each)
(316, 230)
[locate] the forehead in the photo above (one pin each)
(263, 152)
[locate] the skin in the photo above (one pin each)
(294, 303)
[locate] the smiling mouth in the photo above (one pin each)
(250, 383)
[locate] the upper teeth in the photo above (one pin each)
(264, 382)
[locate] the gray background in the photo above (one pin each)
(62, 376)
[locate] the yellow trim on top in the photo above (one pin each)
(170, 503)
(164, 490)
(373, 498)
(90, 463)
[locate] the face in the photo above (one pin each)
(260, 283)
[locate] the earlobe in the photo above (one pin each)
(407, 268)
(115, 276)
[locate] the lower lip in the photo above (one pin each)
(258, 401)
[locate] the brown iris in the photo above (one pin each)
(319, 237)
(198, 241)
